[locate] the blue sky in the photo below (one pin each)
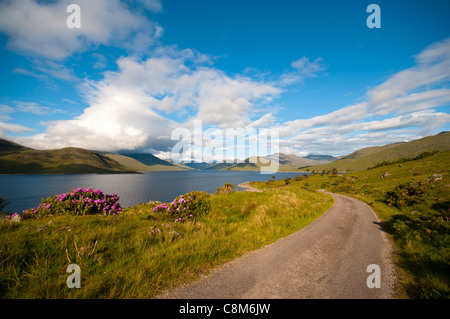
(137, 70)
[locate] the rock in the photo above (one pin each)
(50, 222)
(435, 177)
(16, 219)
(64, 228)
(154, 231)
(385, 175)
(174, 234)
(41, 228)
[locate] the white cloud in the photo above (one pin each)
(101, 61)
(303, 68)
(35, 108)
(13, 128)
(29, 73)
(432, 67)
(40, 30)
(307, 68)
(4, 111)
(126, 108)
(152, 5)
(400, 108)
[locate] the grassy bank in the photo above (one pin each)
(142, 252)
(412, 198)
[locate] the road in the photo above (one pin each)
(326, 259)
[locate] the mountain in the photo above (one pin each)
(202, 165)
(6, 145)
(318, 157)
(147, 159)
(371, 156)
(18, 159)
(287, 162)
(221, 166)
(131, 162)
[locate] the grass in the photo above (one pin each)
(364, 158)
(142, 252)
(417, 217)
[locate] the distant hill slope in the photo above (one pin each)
(221, 166)
(194, 165)
(318, 157)
(286, 162)
(18, 159)
(132, 162)
(370, 156)
(147, 159)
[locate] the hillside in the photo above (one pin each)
(18, 159)
(287, 162)
(147, 159)
(155, 164)
(195, 165)
(371, 156)
(221, 166)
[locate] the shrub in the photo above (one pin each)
(225, 189)
(287, 180)
(77, 202)
(430, 228)
(186, 207)
(405, 194)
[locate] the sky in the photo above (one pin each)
(135, 73)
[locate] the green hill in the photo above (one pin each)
(18, 159)
(154, 163)
(368, 157)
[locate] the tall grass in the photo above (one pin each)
(142, 252)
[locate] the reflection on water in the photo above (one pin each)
(26, 191)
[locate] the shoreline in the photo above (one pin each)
(248, 188)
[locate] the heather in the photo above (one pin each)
(80, 201)
(185, 207)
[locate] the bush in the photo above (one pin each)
(77, 202)
(225, 189)
(405, 194)
(186, 207)
(428, 227)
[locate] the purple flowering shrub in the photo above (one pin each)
(77, 202)
(186, 207)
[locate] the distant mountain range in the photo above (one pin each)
(18, 159)
(286, 162)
